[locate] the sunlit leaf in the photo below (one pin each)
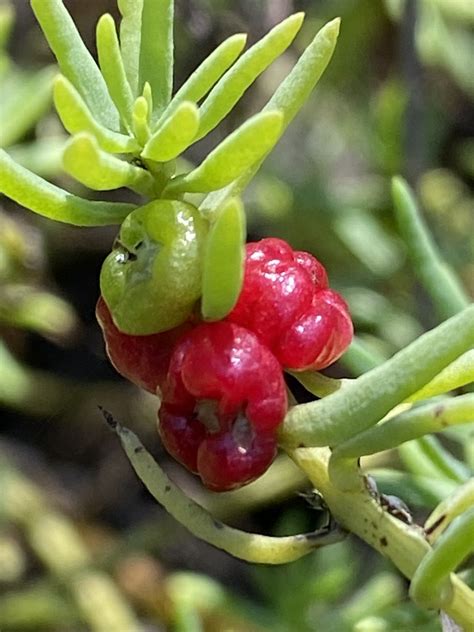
(289, 97)
(76, 118)
(175, 134)
(210, 71)
(130, 35)
(84, 160)
(224, 257)
(237, 153)
(140, 120)
(235, 82)
(156, 50)
(46, 199)
(113, 71)
(75, 61)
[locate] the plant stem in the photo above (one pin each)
(360, 513)
(366, 400)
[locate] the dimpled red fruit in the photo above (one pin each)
(143, 360)
(286, 302)
(222, 403)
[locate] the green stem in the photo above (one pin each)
(431, 585)
(246, 546)
(359, 358)
(417, 422)
(44, 198)
(439, 281)
(366, 400)
(360, 513)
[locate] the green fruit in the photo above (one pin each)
(152, 278)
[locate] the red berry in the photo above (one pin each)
(228, 460)
(143, 360)
(222, 402)
(286, 302)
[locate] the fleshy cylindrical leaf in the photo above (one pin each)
(75, 61)
(175, 135)
(223, 266)
(84, 160)
(111, 65)
(237, 153)
(76, 118)
(234, 83)
(48, 200)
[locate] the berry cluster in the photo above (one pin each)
(221, 383)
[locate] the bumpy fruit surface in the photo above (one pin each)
(222, 403)
(286, 302)
(152, 278)
(143, 360)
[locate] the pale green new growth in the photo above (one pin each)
(75, 61)
(85, 161)
(210, 71)
(113, 71)
(48, 200)
(140, 120)
(235, 82)
(156, 51)
(77, 118)
(174, 135)
(237, 153)
(223, 264)
(130, 29)
(289, 97)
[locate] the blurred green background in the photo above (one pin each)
(82, 545)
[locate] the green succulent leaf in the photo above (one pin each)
(223, 266)
(440, 282)
(174, 135)
(48, 200)
(130, 35)
(235, 155)
(235, 82)
(289, 98)
(84, 160)
(140, 120)
(156, 50)
(76, 118)
(209, 72)
(113, 71)
(21, 108)
(75, 61)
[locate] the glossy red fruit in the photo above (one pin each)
(286, 302)
(222, 403)
(143, 360)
